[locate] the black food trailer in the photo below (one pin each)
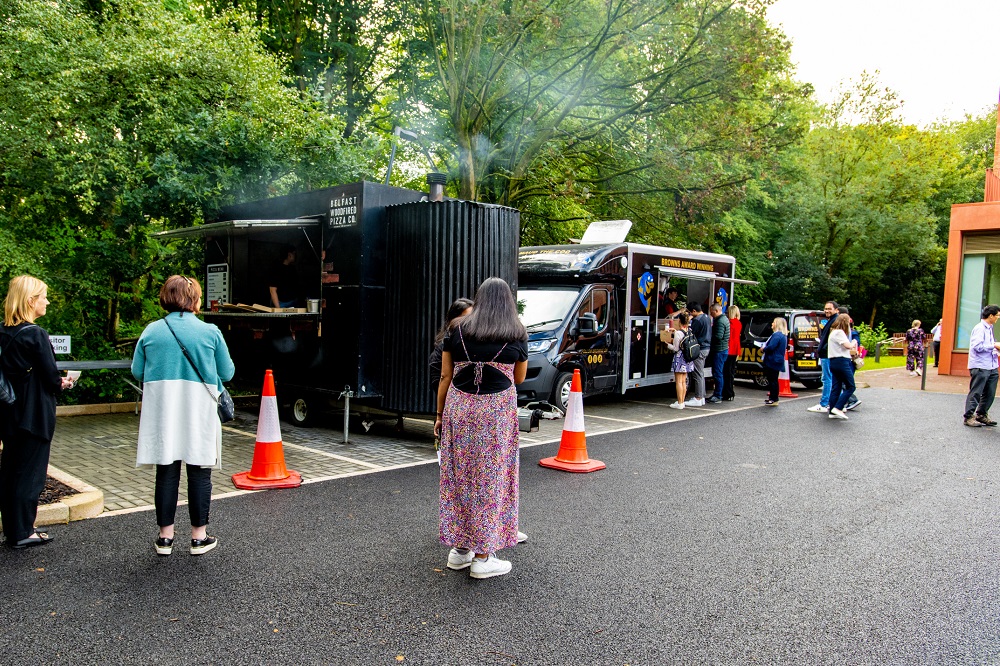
(600, 309)
(377, 268)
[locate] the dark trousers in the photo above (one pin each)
(23, 468)
(772, 383)
(937, 352)
(982, 390)
(843, 381)
(168, 480)
(729, 372)
(719, 372)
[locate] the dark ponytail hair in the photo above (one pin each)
(455, 310)
(494, 314)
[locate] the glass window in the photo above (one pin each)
(760, 324)
(980, 286)
(545, 309)
(805, 327)
(596, 303)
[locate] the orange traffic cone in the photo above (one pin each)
(268, 468)
(572, 456)
(785, 380)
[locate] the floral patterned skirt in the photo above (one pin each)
(479, 470)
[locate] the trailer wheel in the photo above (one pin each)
(560, 390)
(302, 411)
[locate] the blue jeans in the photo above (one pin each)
(718, 372)
(824, 364)
(843, 381)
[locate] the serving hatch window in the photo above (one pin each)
(545, 309)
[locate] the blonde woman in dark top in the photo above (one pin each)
(27, 426)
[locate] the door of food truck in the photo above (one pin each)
(638, 345)
(597, 351)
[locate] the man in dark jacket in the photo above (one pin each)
(830, 311)
(701, 326)
(720, 350)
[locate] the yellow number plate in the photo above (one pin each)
(807, 364)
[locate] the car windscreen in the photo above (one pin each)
(544, 309)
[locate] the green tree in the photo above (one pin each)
(127, 117)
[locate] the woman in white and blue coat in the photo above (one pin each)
(180, 420)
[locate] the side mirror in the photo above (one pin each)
(587, 324)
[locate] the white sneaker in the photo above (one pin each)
(521, 536)
(913, 374)
(695, 402)
(919, 372)
(818, 409)
(458, 560)
(489, 567)
(837, 414)
(676, 405)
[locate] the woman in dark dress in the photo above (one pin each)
(484, 357)
(27, 426)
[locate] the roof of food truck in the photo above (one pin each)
(583, 258)
(238, 228)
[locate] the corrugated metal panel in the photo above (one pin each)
(436, 252)
(977, 244)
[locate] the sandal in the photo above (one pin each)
(36, 539)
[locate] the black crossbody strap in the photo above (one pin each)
(191, 361)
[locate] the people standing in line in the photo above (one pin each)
(701, 328)
(774, 357)
(719, 350)
(180, 419)
(983, 349)
(936, 332)
(484, 358)
(841, 351)
(729, 371)
(680, 367)
(27, 426)
(830, 312)
(458, 309)
(915, 349)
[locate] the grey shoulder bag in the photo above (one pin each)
(227, 410)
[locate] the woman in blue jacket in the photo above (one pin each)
(774, 357)
(180, 418)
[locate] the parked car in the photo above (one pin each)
(804, 327)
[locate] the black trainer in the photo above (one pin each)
(202, 546)
(163, 545)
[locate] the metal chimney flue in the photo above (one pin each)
(435, 185)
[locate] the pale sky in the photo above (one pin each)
(942, 57)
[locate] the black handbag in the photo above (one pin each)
(7, 395)
(227, 410)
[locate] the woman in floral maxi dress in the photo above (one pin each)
(915, 348)
(484, 358)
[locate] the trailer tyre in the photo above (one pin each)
(302, 411)
(560, 390)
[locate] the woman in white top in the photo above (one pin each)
(680, 367)
(840, 351)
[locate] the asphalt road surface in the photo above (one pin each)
(764, 536)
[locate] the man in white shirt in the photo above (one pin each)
(936, 331)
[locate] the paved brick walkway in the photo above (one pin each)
(101, 450)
